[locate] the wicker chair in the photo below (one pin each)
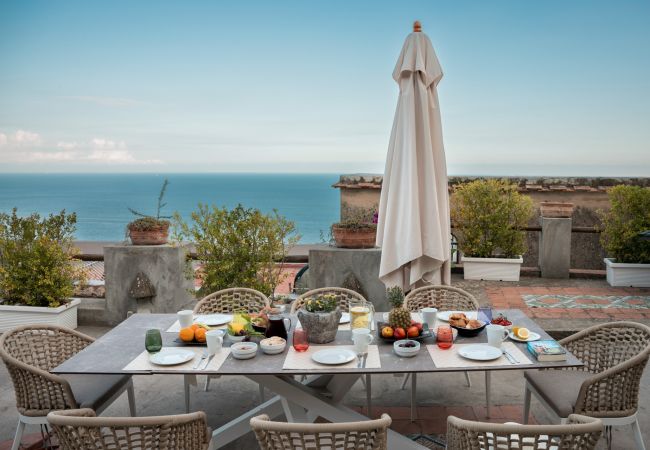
(79, 429)
(607, 386)
(444, 298)
(371, 434)
(343, 296)
(227, 301)
(30, 352)
(580, 433)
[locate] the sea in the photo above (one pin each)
(101, 201)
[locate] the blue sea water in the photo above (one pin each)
(101, 200)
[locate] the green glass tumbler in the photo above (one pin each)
(153, 341)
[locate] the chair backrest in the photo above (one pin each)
(79, 429)
(616, 353)
(343, 297)
(370, 434)
(445, 298)
(29, 352)
(232, 300)
(580, 432)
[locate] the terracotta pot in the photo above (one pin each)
(354, 237)
(152, 236)
(556, 209)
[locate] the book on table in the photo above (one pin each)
(547, 350)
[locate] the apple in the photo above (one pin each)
(419, 325)
(387, 332)
(399, 333)
(413, 332)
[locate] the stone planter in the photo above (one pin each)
(354, 237)
(496, 269)
(556, 209)
(321, 327)
(625, 274)
(14, 315)
(152, 236)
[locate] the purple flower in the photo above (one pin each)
(375, 217)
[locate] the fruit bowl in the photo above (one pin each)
(469, 332)
(406, 348)
(425, 333)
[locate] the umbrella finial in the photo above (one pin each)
(417, 26)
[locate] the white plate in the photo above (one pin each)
(334, 356)
(480, 352)
(532, 337)
(170, 356)
(345, 318)
(444, 315)
(213, 320)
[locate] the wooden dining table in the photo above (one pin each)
(320, 393)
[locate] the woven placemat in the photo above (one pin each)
(450, 357)
(141, 362)
(302, 360)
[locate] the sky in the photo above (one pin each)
(529, 87)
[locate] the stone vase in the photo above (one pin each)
(321, 327)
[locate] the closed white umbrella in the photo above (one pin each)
(413, 229)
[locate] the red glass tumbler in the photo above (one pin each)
(300, 342)
(444, 337)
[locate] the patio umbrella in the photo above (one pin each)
(413, 228)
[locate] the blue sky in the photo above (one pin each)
(530, 88)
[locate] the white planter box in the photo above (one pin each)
(496, 269)
(624, 274)
(65, 315)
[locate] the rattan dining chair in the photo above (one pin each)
(366, 435)
(227, 301)
(80, 429)
(30, 352)
(579, 433)
(607, 386)
(343, 297)
(444, 298)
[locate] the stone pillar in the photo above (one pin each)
(555, 240)
(339, 266)
(165, 267)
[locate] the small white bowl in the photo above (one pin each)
(406, 352)
(235, 338)
(272, 349)
(243, 350)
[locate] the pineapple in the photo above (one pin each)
(398, 317)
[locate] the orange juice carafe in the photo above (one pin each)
(361, 314)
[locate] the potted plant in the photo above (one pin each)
(38, 270)
(357, 231)
(623, 236)
(150, 230)
(320, 317)
(489, 216)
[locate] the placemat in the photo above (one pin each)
(450, 358)
(302, 360)
(141, 362)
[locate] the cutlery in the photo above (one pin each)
(365, 358)
(509, 357)
(207, 362)
(512, 357)
(359, 361)
(198, 363)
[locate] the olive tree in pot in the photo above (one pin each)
(38, 270)
(488, 216)
(622, 236)
(150, 230)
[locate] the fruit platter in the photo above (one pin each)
(193, 335)
(415, 331)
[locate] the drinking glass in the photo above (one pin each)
(444, 337)
(485, 314)
(300, 342)
(153, 340)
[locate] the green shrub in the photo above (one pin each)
(628, 216)
(488, 216)
(37, 265)
(238, 247)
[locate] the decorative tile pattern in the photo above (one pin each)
(586, 301)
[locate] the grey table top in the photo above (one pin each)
(113, 351)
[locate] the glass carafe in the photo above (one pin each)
(361, 314)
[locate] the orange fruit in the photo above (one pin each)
(186, 334)
(195, 326)
(199, 334)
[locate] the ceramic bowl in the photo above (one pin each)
(272, 349)
(243, 350)
(406, 352)
(469, 332)
(235, 338)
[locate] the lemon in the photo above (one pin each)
(523, 333)
(515, 330)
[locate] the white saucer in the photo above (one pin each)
(531, 337)
(334, 356)
(171, 356)
(480, 352)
